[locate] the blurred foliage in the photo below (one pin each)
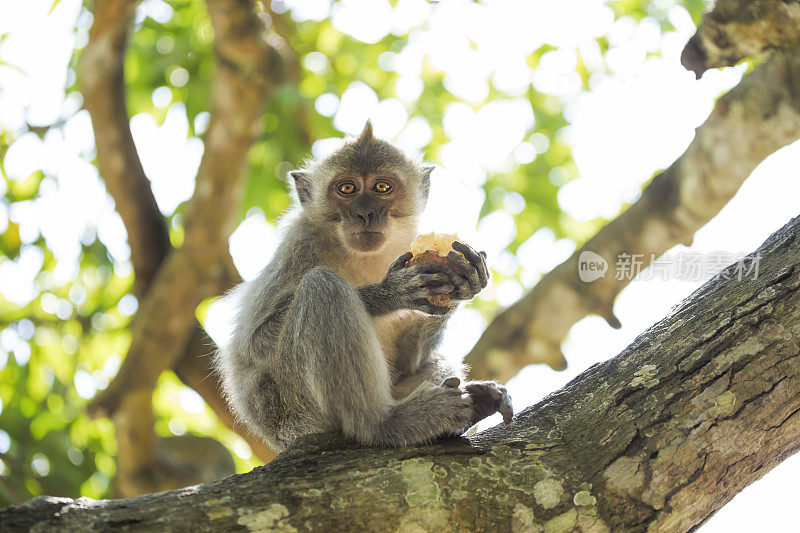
(67, 342)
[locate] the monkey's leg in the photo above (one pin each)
(488, 397)
(331, 334)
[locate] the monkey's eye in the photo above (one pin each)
(382, 187)
(347, 188)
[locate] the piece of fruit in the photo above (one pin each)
(433, 248)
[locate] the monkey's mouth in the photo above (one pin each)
(367, 241)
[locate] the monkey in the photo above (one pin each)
(336, 333)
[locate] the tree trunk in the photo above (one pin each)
(658, 438)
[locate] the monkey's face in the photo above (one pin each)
(368, 192)
(364, 208)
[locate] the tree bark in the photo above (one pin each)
(753, 120)
(658, 438)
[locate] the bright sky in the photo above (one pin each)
(633, 122)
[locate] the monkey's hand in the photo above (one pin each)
(411, 287)
(488, 398)
(469, 276)
(408, 288)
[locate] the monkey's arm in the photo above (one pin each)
(417, 343)
(467, 277)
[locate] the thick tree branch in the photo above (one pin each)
(749, 123)
(103, 89)
(249, 66)
(737, 29)
(657, 439)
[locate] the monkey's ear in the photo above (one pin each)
(425, 180)
(302, 185)
(366, 133)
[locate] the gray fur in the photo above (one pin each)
(331, 338)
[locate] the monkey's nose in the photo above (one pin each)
(365, 217)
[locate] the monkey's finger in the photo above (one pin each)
(466, 270)
(462, 289)
(400, 262)
(475, 259)
(463, 294)
(429, 267)
(442, 289)
(485, 266)
(429, 280)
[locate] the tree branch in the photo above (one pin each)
(753, 120)
(658, 438)
(737, 29)
(103, 88)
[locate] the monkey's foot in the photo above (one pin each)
(488, 398)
